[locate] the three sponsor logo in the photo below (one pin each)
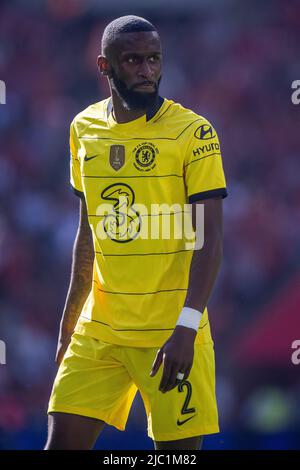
(122, 220)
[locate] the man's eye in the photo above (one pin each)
(154, 58)
(131, 60)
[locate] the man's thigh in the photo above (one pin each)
(72, 432)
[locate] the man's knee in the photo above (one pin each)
(72, 432)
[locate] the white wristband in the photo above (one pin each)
(190, 318)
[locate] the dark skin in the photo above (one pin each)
(80, 284)
(136, 58)
(178, 351)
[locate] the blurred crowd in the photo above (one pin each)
(234, 65)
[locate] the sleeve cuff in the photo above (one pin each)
(208, 194)
(78, 193)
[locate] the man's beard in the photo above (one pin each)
(133, 100)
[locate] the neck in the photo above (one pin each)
(123, 115)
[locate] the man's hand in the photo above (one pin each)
(177, 354)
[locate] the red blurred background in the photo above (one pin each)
(233, 62)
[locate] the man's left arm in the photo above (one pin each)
(177, 353)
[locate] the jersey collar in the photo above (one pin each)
(150, 112)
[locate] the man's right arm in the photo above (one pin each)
(80, 284)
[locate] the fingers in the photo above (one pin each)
(187, 373)
(167, 372)
(171, 368)
(157, 363)
(169, 379)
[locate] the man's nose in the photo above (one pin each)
(145, 69)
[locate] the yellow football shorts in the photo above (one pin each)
(100, 380)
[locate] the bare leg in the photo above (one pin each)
(191, 443)
(72, 432)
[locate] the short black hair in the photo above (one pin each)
(124, 24)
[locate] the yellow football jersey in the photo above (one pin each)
(135, 177)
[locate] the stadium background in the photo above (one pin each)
(231, 61)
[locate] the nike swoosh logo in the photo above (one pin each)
(179, 423)
(86, 158)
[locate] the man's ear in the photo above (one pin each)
(103, 65)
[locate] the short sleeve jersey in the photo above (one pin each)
(138, 179)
